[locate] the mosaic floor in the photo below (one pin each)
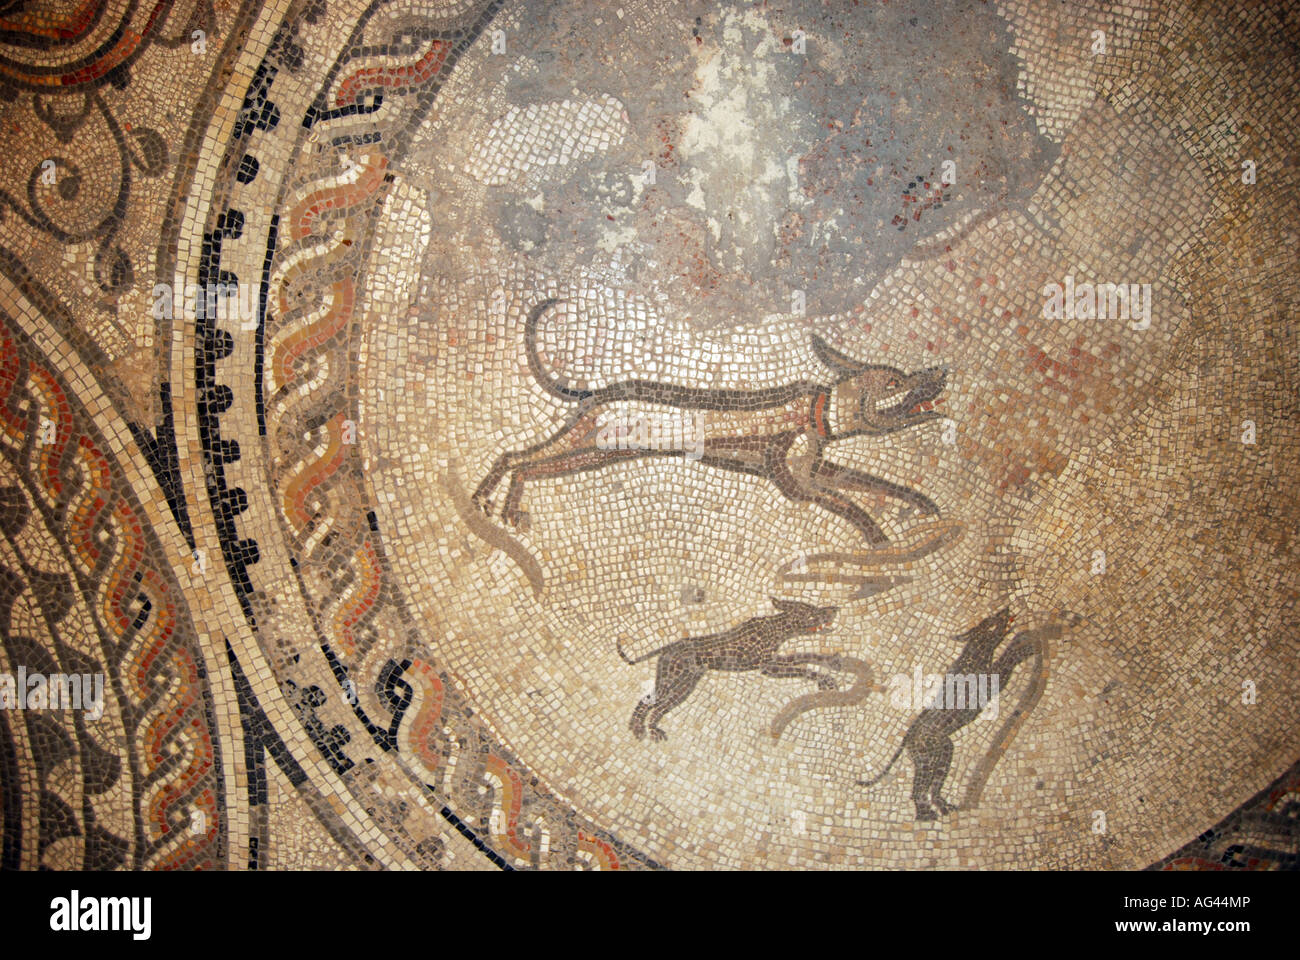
(619, 435)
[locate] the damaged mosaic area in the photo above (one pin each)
(532, 435)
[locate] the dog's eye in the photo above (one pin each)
(893, 382)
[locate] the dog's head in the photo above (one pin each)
(805, 617)
(875, 399)
(995, 625)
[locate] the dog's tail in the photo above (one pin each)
(872, 782)
(653, 653)
(551, 385)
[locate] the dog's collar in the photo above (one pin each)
(819, 404)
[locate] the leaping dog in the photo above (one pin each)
(928, 740)
(752, 432)
(752, 645)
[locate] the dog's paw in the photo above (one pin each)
(515, 517)
(657, 735)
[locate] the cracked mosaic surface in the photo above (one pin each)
(532, 435)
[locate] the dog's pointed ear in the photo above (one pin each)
(785, 606)
(839, 362)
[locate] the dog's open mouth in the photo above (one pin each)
(917, 398)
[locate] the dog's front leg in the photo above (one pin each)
(1019, 650)
(512, 512)
(791, 666)
(846, 478)
(801, 487)
(483, 492)
(844, 508)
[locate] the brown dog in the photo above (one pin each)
(928, 740)
(750, 431)
(752, 645)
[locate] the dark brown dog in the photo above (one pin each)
(751, 431)
(752, 645)
(928, 740)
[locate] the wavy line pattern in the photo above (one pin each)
(311, 318)
(136, 606)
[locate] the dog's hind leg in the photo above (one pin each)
(932, 759)
(846, 478)
(637, 725)
(673, 684)
(564, 465)
(573, 433)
